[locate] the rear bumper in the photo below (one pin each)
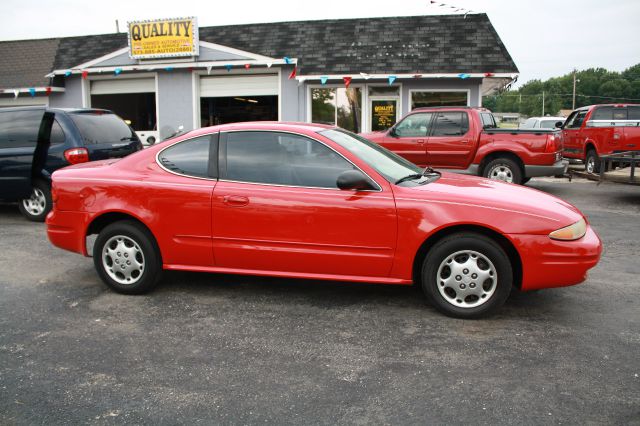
(558, 168)
(66, 230)
(548, 263)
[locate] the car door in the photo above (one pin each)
(408, 138)
(450, 144)
(18, 141)
(277, 208)
(572, 135)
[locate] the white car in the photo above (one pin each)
(542, 122)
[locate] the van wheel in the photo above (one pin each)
(127, 258)
(467, 275)
(503, 169)
(38, 205)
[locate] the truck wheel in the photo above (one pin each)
(592, 162)
(467, 275)
(503, 169)
(38, 205)
(127, 258)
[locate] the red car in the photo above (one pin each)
(312, 201)
(596, 130)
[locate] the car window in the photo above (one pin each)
(57, 134)
(101, 127)
(451, 124)
(414, 125)
(282, 159)
(190, 157)
(576, 119)
(488, 122)
(390, 165)
(19, 129)
(530, 123)
(548, 124)
(633, 113)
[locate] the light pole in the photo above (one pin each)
(574, 89)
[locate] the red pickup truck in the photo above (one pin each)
(596, 130)
(467, 140)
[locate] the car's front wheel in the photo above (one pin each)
(467, 275)
(38, 205)
(127, 258)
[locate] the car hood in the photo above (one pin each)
(506, 207)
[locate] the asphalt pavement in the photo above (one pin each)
(221, 349)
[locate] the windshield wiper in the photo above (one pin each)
(427, 172)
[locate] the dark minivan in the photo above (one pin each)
(36, 141)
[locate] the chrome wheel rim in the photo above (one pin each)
(123, 260)
(467, 279)
(591, 165)
(501, 172)
(36, 203)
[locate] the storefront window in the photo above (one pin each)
(337, 106)
(431, 99)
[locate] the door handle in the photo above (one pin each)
(419, 140)
(235, 200)
(464, 141)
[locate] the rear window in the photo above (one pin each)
(634, 112)
(20, 129)
(488, 122)
(451, 124)
(97, 128)
(548, 124)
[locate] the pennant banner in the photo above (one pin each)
(365, 75)
(392, 78)
(16, 93)
(293, 73)
(85, 74)
(247, 66)
(32, 91)
(464, 76)
(67, 73)
(47, 91)
(117, 71)
(323, 80)
(287, 60)
(228, 67)
(347, 81)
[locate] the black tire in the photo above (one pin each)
(503, 169)
(135, 251)
(464, 301)
(525, 180)
(592, 162)
(39, 204)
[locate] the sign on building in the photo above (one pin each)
(163, 38)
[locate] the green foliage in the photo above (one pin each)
(594, 86)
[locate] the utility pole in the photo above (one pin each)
(117, 26)
(543, 103)
(574, 90)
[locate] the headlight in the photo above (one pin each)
(571, 232)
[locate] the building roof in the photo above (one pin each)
(415, 44)
(26, 62)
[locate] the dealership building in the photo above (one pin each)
(361, 74)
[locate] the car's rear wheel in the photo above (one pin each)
(503, 169)
(467, 275)
(592, 162)
(38, 205)
(127, 258)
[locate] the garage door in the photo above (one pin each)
(229, 86)
(117, 86)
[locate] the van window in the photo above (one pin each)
(19, 129)
(101, 127)
(57, 134)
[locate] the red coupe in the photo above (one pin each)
(313, 201)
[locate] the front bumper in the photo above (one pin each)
(548, 263)
(558, 168)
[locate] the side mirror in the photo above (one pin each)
(393, 133)
(354, 180)
(559, 124)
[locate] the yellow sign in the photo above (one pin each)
(163, 38)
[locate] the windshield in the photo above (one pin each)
(102, 127)
(391, 166)
(548, 124)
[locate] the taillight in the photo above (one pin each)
(551, 144)
(54, 193)
(77, 155)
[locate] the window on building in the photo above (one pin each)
(190, 157)
(337, 106)
(282, 159)
(430, 99)
(451, 124)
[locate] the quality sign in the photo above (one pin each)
(163, 38)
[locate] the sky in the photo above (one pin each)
(545, 38)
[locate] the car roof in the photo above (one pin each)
(449, 108)
(290, 126)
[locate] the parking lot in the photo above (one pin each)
(233, 349)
